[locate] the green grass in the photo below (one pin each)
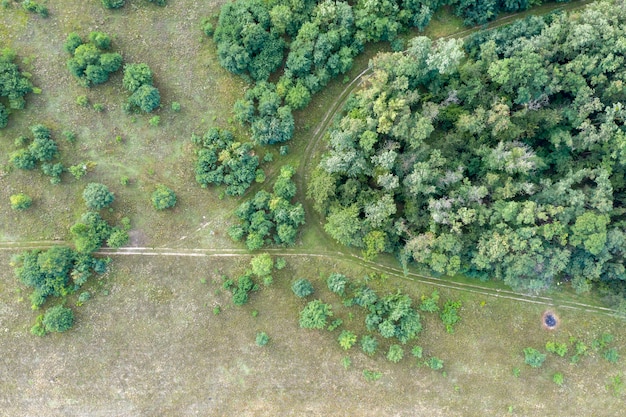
(160, 337)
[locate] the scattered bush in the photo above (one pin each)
(163, 198)
(347, 339)
(315, 315)
(97, 196)
(34, 7)
(58, 319)
(417, 352)
(20, 201)
(450, 314)
(241, 290)
(138, 80)
(90, 61)
(113, 4)
(369, 344)
(82, 101)
(533, 357)
(302, 288)
(262, 339)
(556, 348)
(434, 363)
(175, 106)
(557, 378)
(395, 354)
(611, 355)
(337, 283)
(371, 376)
(429, 304)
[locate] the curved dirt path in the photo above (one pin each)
(310, 152)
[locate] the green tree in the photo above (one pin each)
(337, 283)
(20, 201)
(163, 198)
(369, 344)
(146, 97)
(136, 75)
(533, 357)
(97, 196)
(262, 339)
(347, 339)
(315, 315)
(395, 354)
(302, 287)
(58, 319)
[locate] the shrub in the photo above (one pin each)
(371, 376)
(240, 291)
(369, 344)
(118, 238)
(20, 201)
(154, 121)
(113, 4)
(434, 363)
(97, 196)
(346, 362)
(450, 314)
(176, 106)
(90, 62)
(54, 171)
(611, 355)
(4, 116)
(163, 198)
(34, 7)
(337, 283)
(302, 288)
(429, 304)
(280, 263)
(23, 159)
(262, 339)
(82, 101)
(347, 339)
(58, 319)
(136, 75)
(558, 378)
(533, 357)
(315, 315)
(395, 354)
(417, 352)
(146, 98)
(335, 324)
(556, 348)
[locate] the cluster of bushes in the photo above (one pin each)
(42, 149)
(35, 7)
(222, 160)
(116, 4)
(14, 85)
(601, 346)
(138, 80)
(91, 62)
(268, 218)
(261, 267)
(498, 165)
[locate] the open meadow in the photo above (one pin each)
(160, 335)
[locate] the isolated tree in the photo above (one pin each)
(369, 344)
(20, 201)
(163, 198)
(146, 97)
(58, 319)
(315, 315)
(97, 196)
(302, 287)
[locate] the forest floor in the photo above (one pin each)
(148, 343)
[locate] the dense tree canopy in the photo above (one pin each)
(14, 85)
(505, 163)
(270, 217)
(91, 61)
(223, 160)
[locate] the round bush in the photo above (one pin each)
(97, 196)
(58, 319)
(20, 201)
(302, 288)
(163, 198)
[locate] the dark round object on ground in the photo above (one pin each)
(549, 320)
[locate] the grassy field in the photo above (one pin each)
(171, 356)
(149, 344)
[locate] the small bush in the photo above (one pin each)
(417, 352)
(337, 283)
(302, 288)
(611, 355)
(176, 106)
(262, 339)
(20, 201)
(434, 363)
(450, 314)
(315, 315)
(556, 348)
(346, 339)
(113, 4)
(82, 101)
(371, 376)
(533, 357)
(154, 122)
(97, 196)
(34, 7)
(395, 353)
(558, 378)
(284, 150)
(335, 324)
(163, 198)
(58, 319)
(369, 344)
(280, 263)
(346, 362)
(429, 304)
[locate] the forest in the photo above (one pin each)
(501, 156)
